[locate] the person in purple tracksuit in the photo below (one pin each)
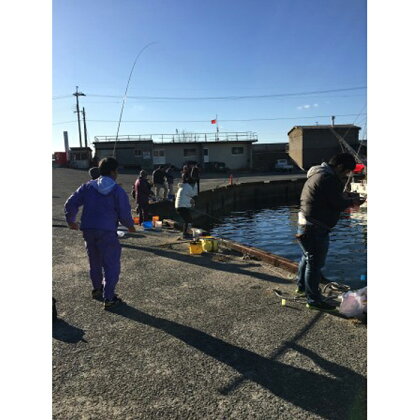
(105, 204)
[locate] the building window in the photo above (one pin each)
(159, 153)
(237, 150)
(190, 152)
(138, 153)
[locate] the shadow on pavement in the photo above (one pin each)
(338, 397)
(68, 333)
(205, 262)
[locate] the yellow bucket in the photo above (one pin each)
(209, 244)
(196, 248)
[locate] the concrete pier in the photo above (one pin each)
(200, 337)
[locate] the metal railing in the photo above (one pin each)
(185, 137)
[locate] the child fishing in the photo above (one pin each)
(105, 204)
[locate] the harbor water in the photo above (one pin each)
(274, 230)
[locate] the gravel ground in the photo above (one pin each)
(200, 337)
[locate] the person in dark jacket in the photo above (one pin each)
(170, 176)
(142, 191)
(158, 179)
(104, 205)
(195, 175)
(321, 202)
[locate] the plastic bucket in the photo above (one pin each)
(148, 225)
(158, 225)
(195, 248)
(209, 244)
(136, 220)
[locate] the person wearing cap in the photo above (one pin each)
(321, 202)
(141, 192)
(184, 201)
(105, 204)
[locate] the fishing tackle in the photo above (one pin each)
(125, 94)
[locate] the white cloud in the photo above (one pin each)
(306, 106)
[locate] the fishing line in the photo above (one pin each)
(125, 94)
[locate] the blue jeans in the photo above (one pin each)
(314, 241)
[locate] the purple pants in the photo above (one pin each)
(104, 252)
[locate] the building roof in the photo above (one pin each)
(176, 143)
(323, 127)
(79, 149)
(123, 142)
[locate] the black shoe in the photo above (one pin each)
(54, 310)
(111, 304)
(321, 306)
(97, 294)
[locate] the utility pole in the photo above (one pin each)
(77, 94)
(84, 126)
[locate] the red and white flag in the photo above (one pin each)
(213, 121)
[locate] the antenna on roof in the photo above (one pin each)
(332, 120)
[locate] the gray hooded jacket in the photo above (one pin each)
(322, 197)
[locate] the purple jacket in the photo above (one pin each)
(104, 203)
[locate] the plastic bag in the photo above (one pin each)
(354, 304)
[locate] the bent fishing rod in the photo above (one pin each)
(125, 94)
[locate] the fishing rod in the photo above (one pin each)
(125, 93)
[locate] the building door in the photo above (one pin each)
(159, 157)
(206, 155)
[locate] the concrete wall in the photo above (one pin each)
(174, 153)
(223, 200)
(321, 144)
(296, 146)
(222, 152)
(125, 153)
(217, 152)
(312, 146)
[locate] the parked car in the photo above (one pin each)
(282, 165)
(215, 167)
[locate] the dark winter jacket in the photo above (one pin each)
(169, 176)
(158, 176)
(142, 190)
(322, 197)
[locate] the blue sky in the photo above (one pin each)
(207, 49)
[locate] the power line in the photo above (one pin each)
(187, 98)
(232, 120)
(62, 97)
(275, 95)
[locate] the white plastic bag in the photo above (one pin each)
(354, 304)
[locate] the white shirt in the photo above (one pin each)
(184, 195)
